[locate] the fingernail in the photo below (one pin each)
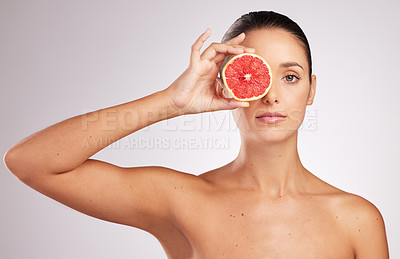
(250, 50)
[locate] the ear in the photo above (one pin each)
(311, 93)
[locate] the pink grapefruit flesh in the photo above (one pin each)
(247, 77)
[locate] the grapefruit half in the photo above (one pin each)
(247, 77)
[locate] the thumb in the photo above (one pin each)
(225, 100)
(238, 104)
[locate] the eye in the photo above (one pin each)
(291, 78)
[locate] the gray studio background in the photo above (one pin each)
(59, 59)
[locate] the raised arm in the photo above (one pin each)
(56, 160)
(66, 145)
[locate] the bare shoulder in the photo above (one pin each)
(359, 220)
(349, 205)
(362, 223)
(357, 212)
(356, 207)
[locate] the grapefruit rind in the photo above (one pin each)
(230, 90)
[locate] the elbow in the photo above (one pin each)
(14, 162)
(9, 160)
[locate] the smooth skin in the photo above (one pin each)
(263, 204)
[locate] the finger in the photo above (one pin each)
(216, 48)
(220, 89)
(219, 64)
(221, 58)
(196, 47)
(237, 40)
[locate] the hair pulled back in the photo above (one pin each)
(269, 20)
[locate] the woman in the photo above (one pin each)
(263, 204)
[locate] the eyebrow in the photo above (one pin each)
(291, 64)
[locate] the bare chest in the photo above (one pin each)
(257, 228)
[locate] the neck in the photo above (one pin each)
(274, 168)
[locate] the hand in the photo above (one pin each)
(199, 89)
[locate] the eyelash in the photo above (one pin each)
(292, 82)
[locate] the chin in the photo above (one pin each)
(271, 136)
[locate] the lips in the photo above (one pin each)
(271, 117)
(270, 114)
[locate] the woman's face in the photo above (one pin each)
(291, 90)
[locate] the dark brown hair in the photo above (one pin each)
(265, 20)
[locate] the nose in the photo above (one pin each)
(272, 96)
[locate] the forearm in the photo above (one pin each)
(67, 144)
